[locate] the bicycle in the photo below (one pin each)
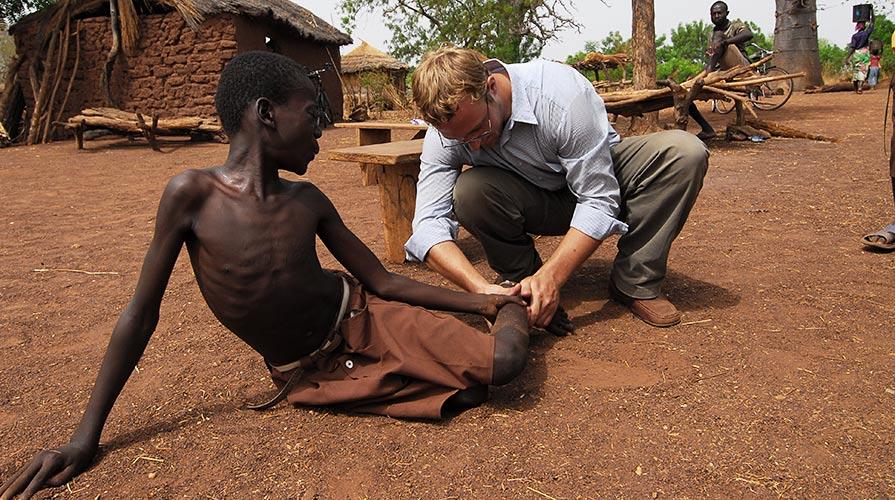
(766, 96)
(326, 118)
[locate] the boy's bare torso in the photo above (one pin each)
(256, 264)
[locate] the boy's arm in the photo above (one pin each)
(130, 336)
(366, 267)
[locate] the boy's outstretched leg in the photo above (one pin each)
(510, 343)
(510, 332)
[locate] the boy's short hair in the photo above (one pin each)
(252, 75)
(443, 78)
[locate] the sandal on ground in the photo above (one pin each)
(658, 311)
(888, 236)
(706, 135)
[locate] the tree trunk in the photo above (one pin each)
(643, 45)
(795, 41)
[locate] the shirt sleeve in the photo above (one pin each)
(433, 220)
(584, 153)
(736, 27)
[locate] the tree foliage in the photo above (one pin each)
(7, 50)
(12, 10)
(511, 30)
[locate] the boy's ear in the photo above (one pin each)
(265, 112)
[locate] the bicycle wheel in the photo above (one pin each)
(325, 107)
(722, 106)
(772, 95)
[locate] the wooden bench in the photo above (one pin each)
(398, 167)
(378, 133)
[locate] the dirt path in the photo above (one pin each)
(780, 381)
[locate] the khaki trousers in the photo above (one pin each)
(660, 176)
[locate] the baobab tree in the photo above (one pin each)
(795, 41)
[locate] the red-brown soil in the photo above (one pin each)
(780, 381)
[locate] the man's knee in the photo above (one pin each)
(475, 194)
(686, 152)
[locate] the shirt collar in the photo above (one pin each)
(522, 111)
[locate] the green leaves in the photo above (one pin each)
(12, 10)
(511, 30)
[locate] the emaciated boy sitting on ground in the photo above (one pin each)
(251, 240)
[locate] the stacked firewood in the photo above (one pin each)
(597, 61)
(125, 123)
(732, 84)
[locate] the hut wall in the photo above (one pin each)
(173, 71)
(251, 34)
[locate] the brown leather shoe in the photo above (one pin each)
(658, 311)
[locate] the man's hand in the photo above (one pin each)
(49, 468)
(542, 294)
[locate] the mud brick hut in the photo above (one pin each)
(370, 77)
(156, 57)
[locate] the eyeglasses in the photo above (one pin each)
(470, 140)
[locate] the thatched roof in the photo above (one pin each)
(285, 12)
(369, 58)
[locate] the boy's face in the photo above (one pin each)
(294, 144)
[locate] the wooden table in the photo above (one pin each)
(398, 166)
(378, 133)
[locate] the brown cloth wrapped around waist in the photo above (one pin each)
(330, 344)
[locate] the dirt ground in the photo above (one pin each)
(779, 382)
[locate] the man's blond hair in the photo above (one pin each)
(443, 78)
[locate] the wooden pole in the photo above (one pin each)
(113, 53)
(42, 91)
(74, 72)
(60, 70)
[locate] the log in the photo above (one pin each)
(682, 99)
(745, 132)
(778, 130)
(758, 81)
(133, 124)
(833, 87)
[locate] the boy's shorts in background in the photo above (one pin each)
(873, 76)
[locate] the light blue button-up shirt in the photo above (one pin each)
(558, 135)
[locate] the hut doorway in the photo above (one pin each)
(13, 120)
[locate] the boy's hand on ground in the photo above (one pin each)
(49, 468)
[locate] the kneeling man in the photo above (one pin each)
(545, 161)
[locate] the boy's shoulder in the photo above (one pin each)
(191, 183)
